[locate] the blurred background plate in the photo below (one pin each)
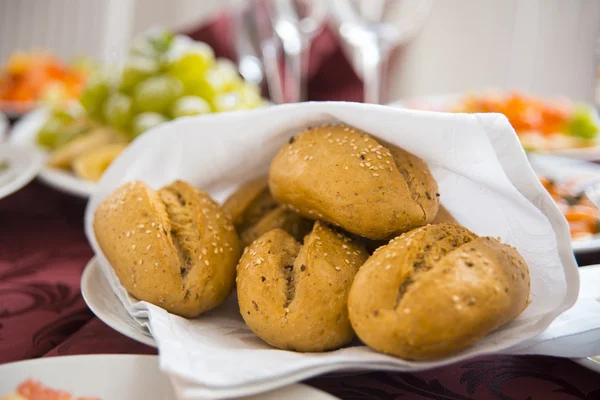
(24, 133)
(448, 102)
(18, 166)
(117, 377)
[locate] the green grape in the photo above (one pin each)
(162, 41)
(144, 121)
(190, 105)
(207, 87)
(192, 63)
(157, 93)
(137, 70)
(94, 96)
(582, 123)
(118, 111)
(250, 95)
(58, 129)
(48, 135)
(229, 73)
(229, 101)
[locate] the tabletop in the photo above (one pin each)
(43, 251)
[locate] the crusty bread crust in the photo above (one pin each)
(436, 290)
(174, 247)
(345, 177)
(294, 295)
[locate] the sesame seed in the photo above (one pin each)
(406, 311)
(139, 199)
(153, 224)
(148, 231)
(347, 261)
(140, 262)
(362, 164)
(216, 251)
(337, 268)
(128, 234)
(325, 254)
(346, 167)
(148, 247)
(206, 262)
(455, 298)
(133, 232)
(310, 158)
(259, 261)
(375, 174)
(388, 266)
(158, 235)
(305, 158)
(133, 246)
(200, 257)
(140, 226)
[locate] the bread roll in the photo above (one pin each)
(249, 203)
(293, 295)
(345, 177)
(255, 212)
(174, 247)
(435, 290)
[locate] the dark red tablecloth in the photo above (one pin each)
(43, 251)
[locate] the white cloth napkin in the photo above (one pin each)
(485, 181)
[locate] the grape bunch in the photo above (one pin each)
(165, 76)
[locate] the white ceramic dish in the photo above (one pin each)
(117, 377)
(106, 305)
(445, 102)
(24, 133)
(23, 164)
(592, 362)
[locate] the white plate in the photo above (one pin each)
(24, 133)
(23, 165)
(445, 102)
(117, 377)
(105, 304)
(592, 362)
(100, 298)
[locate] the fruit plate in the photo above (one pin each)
(445, 102)
(24, 134)
(117, 377)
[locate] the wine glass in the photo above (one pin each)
(296, 23)
(372, 29)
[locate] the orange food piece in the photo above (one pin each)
(525, 113)
(26, 76)
(33, 390)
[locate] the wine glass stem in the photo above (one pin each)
(296, 65)
(374, 65)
